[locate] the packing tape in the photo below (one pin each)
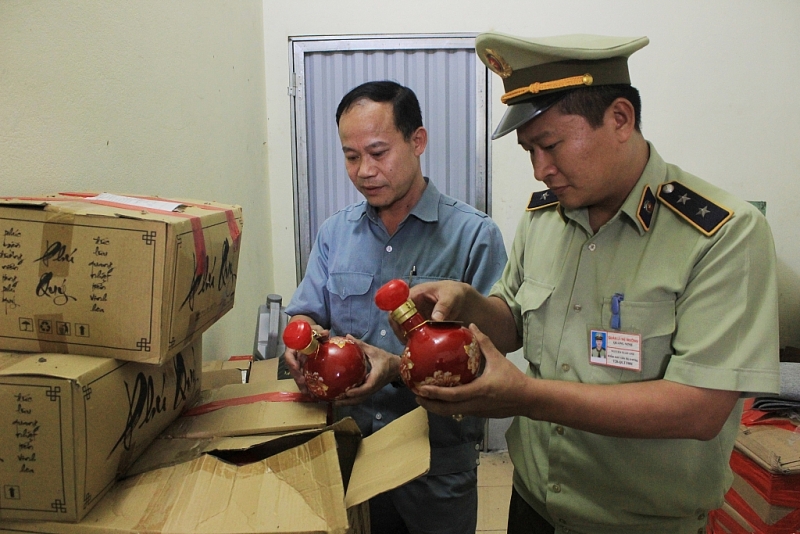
(272, 396)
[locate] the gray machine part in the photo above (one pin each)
(272, 319)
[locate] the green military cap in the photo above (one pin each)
(539, 72)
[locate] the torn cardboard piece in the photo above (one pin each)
(299, 490)
(69, 425)
(115, 280)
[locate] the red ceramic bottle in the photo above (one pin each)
(332, 367)
(439, 353)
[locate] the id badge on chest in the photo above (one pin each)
(616, 347)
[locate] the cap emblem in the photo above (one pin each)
(497, 63)
(537, 87)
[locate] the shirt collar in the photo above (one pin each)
(426, 209)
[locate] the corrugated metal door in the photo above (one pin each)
(452, 88)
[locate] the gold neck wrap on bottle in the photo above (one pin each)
(312, 347)
(404, 312)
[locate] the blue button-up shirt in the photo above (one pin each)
(354, 255)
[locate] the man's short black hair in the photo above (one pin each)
(591, 103)
(407, 114)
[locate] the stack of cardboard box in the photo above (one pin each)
(765, 495)
(104, 301)
(255, 457)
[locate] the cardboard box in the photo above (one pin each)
(775, 449)
(69, 425)
(242, 363)
(116, 277)
(320, 485)
(775, 489)
(264, 370)
(767, 513)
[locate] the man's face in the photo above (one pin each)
(577, 162)
(381, 164)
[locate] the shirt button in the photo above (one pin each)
(383, 332)
(557, 488)
(591, 247)
(565, 367)
(378, 416)
(389, 248)
(577, 307)
(560, 430)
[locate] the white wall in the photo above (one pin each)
(719, 85)
(152, 97)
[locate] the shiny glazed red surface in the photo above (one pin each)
(440, 354)
(338, 365)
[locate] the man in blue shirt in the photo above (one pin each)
(405, 227)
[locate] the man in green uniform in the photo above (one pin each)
(675, 275)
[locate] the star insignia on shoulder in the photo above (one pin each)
(698, 211)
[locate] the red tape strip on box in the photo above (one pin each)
(274, 396)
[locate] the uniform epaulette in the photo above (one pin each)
(697, 210)
(542, 199)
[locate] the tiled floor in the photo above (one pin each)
(494, 492)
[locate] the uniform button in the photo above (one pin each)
(557, 488)
(565, 367)
(389, 248)
(378, 416)
(577, 307)
(701, 516)
(477, 446)
(701, 531)
(478, 461)
(383, 332)
(591, 247)
(668, 188)
(560, 430)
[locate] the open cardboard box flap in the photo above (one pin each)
(299, 490)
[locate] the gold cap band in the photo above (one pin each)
(536, 87)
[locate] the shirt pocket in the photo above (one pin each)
(351, 303)
(655, 322)
(531, 298)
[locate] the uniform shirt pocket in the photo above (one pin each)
(351, 303)
(655, 322)
(531, 299)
